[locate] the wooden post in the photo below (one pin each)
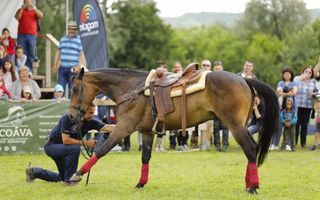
(48, 63)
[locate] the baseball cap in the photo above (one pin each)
(27, 89)
(218, 62)
(58, 88)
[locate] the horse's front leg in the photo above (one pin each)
(120, 131)
(147, 141)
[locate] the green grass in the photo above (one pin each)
(191, 175)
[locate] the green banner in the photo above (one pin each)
(24, 127)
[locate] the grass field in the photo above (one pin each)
(173, 175)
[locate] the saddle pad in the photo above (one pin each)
(177, 91)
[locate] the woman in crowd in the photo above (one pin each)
(304, 102)
(10, 75)
(286, 88)
(17, 86)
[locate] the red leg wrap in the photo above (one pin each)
(87, 166)
(253, 174)
(144, 174)
(247, 177)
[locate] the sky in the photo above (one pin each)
(175, 8)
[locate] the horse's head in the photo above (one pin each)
(82, 95)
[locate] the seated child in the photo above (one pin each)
(26, 94)
(4, 93)
(58, 92)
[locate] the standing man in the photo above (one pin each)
(247, 71)
(69, 57)
(64, 147)
(182, 139)
(218, 123)
(28, 16)
(206, 127)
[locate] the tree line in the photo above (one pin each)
(273, 34)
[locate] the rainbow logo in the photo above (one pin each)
(87, 14)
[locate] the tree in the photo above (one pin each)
(138, 37)
(278, 18)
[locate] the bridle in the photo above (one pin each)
(79, 111)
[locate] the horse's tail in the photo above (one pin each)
(271, 116)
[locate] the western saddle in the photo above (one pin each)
(160, 89)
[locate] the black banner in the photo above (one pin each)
(92, 31)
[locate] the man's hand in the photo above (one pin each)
(76, 69)
(55, 67)
(90, 143)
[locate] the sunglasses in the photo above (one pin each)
(205, 65)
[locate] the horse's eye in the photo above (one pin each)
(75, 89)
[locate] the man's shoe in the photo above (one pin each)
(313, 148)
(29, 174)
(75, 178)
(224, 148)
(218, 148)
(70, 183)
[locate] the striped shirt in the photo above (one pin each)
(303, 98)
(70, 49)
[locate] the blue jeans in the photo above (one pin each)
(64, 78)
(28, 43)
(66, 158)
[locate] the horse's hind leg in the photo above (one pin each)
(249, 147)
(147, 141)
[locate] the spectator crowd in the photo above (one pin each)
(296, 94)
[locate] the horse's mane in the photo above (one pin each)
(122, 71)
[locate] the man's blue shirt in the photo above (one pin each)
(67, 127)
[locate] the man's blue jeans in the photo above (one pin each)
(66, 158)
(64, 78)
(28, 43)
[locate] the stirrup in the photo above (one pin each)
(154, 127)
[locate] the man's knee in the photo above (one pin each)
(74, 149)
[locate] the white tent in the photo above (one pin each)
(8, 9)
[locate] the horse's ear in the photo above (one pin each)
(80, 75)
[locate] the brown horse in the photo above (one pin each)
(226, 95)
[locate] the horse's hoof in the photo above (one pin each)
(253, 189)
(139, 185)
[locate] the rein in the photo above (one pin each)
(81, 112)
(129, 96)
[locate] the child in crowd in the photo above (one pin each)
(288, 118)
(317, 133)
(58, 92)
(4, 93)
(9, 73)
(3, 54)
(26, 94)
(8, 42)
(19, 59)
(255, 125)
